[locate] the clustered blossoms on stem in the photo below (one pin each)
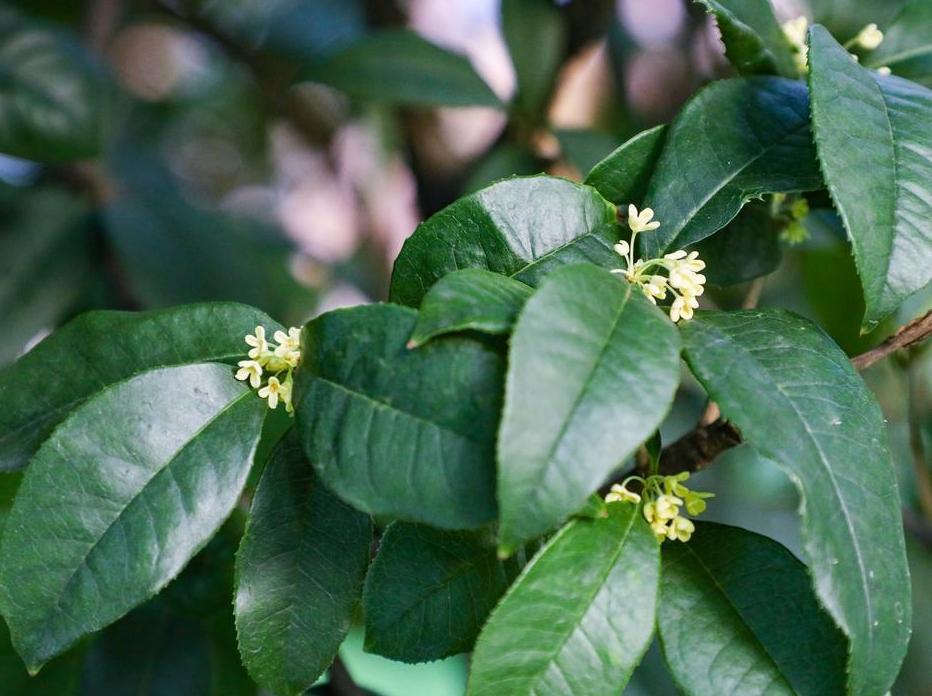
(273, 361)
(869, 38)
(663, 496)
(683, 280)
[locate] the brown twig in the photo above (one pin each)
(713, 435)
(912, 333)
(916, 410)
(341, 682)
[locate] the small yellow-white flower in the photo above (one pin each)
(259, 343)
(622, 248)
(251, 370)
(870, 37)
(272, 391)
(795, 32)
(884, 70)
(681, 528)
(668, 506)
(641, 221)
(619, 494)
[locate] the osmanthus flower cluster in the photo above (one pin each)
(269, 362)
(662, 498)
(795, 30)
(683, 280)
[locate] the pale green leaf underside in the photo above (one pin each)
(882, 187)
(119, 498)
(796, 398)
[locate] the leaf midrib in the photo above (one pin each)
(822, 460)
(56, 609)
(621, 544)
(718, 586)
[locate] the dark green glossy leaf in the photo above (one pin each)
(52, 100)
(400, 67)
(59, 678)
(299, 574)
(522, 227)
(46, 235)
(504, 160)
(400, 432)
(139, 477)
(584, 148)
(845, 18)
(176, 252)
(429, 591)
(471, 299)
(737, 615)
(796, 399)
(747, 248)
(102, 348)
(883, 187)
(735, 140)
(535, 34)
(578, 618)
(907, 44)
(593, 367)
(754, 41)
(298, 30)
(151, 652)
(623, 176)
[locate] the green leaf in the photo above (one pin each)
(429, 591)
(471, 299)
(883, 187)
(584, 148)
(593, 368)
(47, 235)
(580, 616)
(523, 227)
(52, 100)
(737, 615)
(299, 574)
(754, 41)
(398, 432)
(400, 67)
(845, 18)
(535, 35)
(748, 247)
(907, 44)
(60, 677)
(175, 251)
(139, 477)
(624, 175)
(504, 160)
(150, 651)
(797, 400)
(99, 349)
(735, 140)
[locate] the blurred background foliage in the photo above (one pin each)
(278, 152)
